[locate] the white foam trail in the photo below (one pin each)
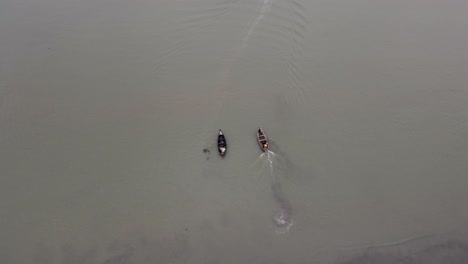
(282, 218)
(270, 161)
(265, 8)
(285, 229)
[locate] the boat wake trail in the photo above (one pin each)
(265, 8)
(270, 162)
(231, 62)
(282, 216)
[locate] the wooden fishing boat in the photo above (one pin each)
(222, 147)
(262, 140)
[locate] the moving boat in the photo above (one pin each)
(262, 140)
(221, 143)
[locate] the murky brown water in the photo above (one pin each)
(106, 107)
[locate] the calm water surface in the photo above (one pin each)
(106, 107)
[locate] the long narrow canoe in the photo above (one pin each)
(262, 139)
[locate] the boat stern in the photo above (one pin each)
(222, 151)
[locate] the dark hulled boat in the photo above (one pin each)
(222, 147)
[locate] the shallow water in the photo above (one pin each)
(106, 108)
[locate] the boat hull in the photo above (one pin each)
(262, 140)
(222, 146)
